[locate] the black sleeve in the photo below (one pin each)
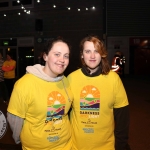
(121, 116)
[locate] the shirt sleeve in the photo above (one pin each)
(16, 124)
(120, 95)
(121, 117)
(19, 101)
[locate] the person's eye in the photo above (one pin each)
(87, 51)
(57, 55)
(66, 56)
(96, 51)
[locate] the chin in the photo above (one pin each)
(60, 72)
(92, 67)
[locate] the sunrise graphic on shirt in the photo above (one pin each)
(89, 98)
(55, 105)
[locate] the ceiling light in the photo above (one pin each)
(28, 12)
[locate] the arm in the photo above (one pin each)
(16, 124)
(121, 116)
(7, 68)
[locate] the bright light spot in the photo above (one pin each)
(29, 56)
(86, 9)
(78, 9)
(146, 41)
(54, 6)
(19, 13)
(28, 12)
(69, 8)
(4, 15)
(93, 7)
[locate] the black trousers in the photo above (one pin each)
(9, 84)
(3, 91)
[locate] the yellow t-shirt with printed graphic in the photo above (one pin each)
(44, 106)
(92, 117)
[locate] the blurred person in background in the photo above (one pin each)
(3, 89)
(118, 63)
(9, 67)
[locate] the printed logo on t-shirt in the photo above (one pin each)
(53, 138)
(55, 107)
(89, 98)
(88, 130)
(89, 102)
(89, 107)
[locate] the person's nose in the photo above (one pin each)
(92, 55)
(61, 59)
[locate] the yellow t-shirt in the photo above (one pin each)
(92, 117)
(44, 106)
(10, 74)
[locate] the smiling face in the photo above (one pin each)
(57, 59)
(91, 56)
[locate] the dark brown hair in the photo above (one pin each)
(100, 47)
(49, 44)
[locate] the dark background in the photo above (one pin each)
(111, 18)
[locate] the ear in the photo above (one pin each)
(45, 57)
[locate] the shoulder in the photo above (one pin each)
(65, 81)
(74, 73)
(111, 76)
(5, 62)
(26, 80)
(114, 79)
(13, 61)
